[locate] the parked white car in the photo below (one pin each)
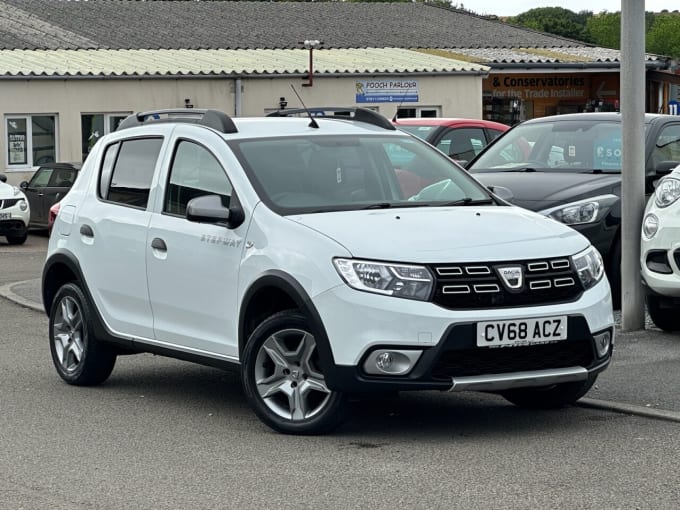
(660, 252)
(14, 213)
(320, 257)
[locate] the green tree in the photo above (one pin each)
(663, 36)
(604, 29)
(555, 20)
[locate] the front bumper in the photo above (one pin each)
(358, 323)
(662, 250)
(13, 221)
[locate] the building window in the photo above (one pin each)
(95, 125)
(412, 113)
(31, 140)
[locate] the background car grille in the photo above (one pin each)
(484, 361)
(465, 286)
(8, 202)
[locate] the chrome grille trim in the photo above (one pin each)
(560, 264)
(487, 288)
(456, 289)
(538, 266)
(564, 282)
(449, 271)
(540, 284)
(478, 270)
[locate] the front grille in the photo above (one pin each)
(501, 360)
(475, 285)
(8, 202)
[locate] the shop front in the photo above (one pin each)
(512, 98)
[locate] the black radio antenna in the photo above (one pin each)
(396, 113)
(312, 122)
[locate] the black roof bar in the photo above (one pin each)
(337, 112)
(214, 119)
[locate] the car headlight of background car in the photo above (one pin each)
(589, 266)
(667, 192)
(588, 210)
(399, 280)
(23, 204)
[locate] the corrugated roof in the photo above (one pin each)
(536, 55)
(111, 63)
(125, 24)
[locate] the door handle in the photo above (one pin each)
(159, 244)
(86, 230)
(56, 197)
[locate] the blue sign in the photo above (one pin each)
(674, 107)
(386, 91)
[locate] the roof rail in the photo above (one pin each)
(214, 119)
(337, 112)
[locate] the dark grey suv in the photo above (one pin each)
(569, 167)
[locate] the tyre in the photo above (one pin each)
(663, 314)
(550, 397)
(20, 239)
(283, 380)
(79, 358)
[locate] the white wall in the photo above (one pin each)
(455, 96)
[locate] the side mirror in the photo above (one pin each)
(3, 178)
(23, 185)
(209, 209)
(502, 192)
(665, 167)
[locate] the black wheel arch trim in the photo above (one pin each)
(288, 284)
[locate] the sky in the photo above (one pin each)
(515, 7)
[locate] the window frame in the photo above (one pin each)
(28, 118)
(108, 116)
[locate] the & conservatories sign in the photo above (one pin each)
(386, 91)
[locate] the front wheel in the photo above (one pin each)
(283, 379)
(550, 397)
(664, 315)
(20, 239)
(79, 358)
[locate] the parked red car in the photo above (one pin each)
(461, 139)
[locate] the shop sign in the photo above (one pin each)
(538, 87)
(386, 91)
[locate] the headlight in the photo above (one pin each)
(589, 266)
(400, 280)
(584, 211)
(667, 192)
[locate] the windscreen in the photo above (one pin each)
(560, 145)
(333, 172)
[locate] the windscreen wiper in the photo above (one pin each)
(470, 201)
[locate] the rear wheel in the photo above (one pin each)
(663, 313)
(549, 397)
(283, 379)
(78, 357)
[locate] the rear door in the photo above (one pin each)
(60, 183)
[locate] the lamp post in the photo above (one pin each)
(311, 45)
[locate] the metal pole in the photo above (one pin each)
(633, 162)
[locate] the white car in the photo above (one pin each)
(321, 257)
(14, 213)
(660, 253)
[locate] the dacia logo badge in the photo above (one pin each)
(512, 276)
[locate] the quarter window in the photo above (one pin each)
(195, 172)
(132, 172)
(31, 140)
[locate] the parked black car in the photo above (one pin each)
(47, 186)
(569, 167)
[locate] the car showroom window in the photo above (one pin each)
(95, 125)
(132, 172)
(195, 172)
(31, 140)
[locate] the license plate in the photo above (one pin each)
(5, 215)
(521, 331)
